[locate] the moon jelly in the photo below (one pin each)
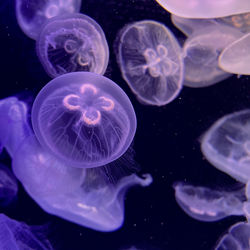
(8, 186)
(205, 204)
(83, 196)
(201, 52)
(85, 119)
(18, 235)
(205, 8)
(13, 123)
(71, 43)
(150, 61)
(235, 57)
(226, 145)
(32, 14)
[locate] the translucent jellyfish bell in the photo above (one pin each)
(235, 57)
(83, 196)
(150, 61)
(32, 14)
(205, 204)
(226, 145)
(13, 123)
(237, 238)
(201, 52)
(70, 43)
(85, 119)
(18, 235)
(205, 8)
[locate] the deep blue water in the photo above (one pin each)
(166, 143)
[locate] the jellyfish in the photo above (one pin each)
(226, 145)
(206, 204)
(237, 238)
(205, 8)
(18, 235)
(201, 52)
(83, 118)
(235, 57)
(32, 14)
(84, 196)
(8, 186)
(150, 60)
(13, 123)
(73, 42)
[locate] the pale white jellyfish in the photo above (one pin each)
(201, 52)
(226, 145)
(205, 204)
(205, 8)
(236, 56)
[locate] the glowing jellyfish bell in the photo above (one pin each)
(32, 14)
(85, 119)
(70, 43)
(205, 8)
(226, 145)
(235, 57)
(151, 62)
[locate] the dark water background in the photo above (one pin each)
(166, 143)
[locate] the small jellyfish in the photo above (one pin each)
(18, 235)
(205, 8)
(237, 238)
(13, 123)
(205, 204)
(226, 145)
(201, 52)
(70, 43)
(235, 57)
(150, 60)
(8, 186)
(83, 196)
(85, 119)
(32, 14)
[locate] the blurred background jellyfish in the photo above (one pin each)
(8, 186)
(14, 126)
(151, 62)
(206, 204)
(201, 51)
(226, 145)
(237, 238)
(205, 8)
(18, 235)
(85, 119)
(70, 43)
(235, 57)
(87, 197)
(32, 14)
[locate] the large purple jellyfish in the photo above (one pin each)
(84, 119)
